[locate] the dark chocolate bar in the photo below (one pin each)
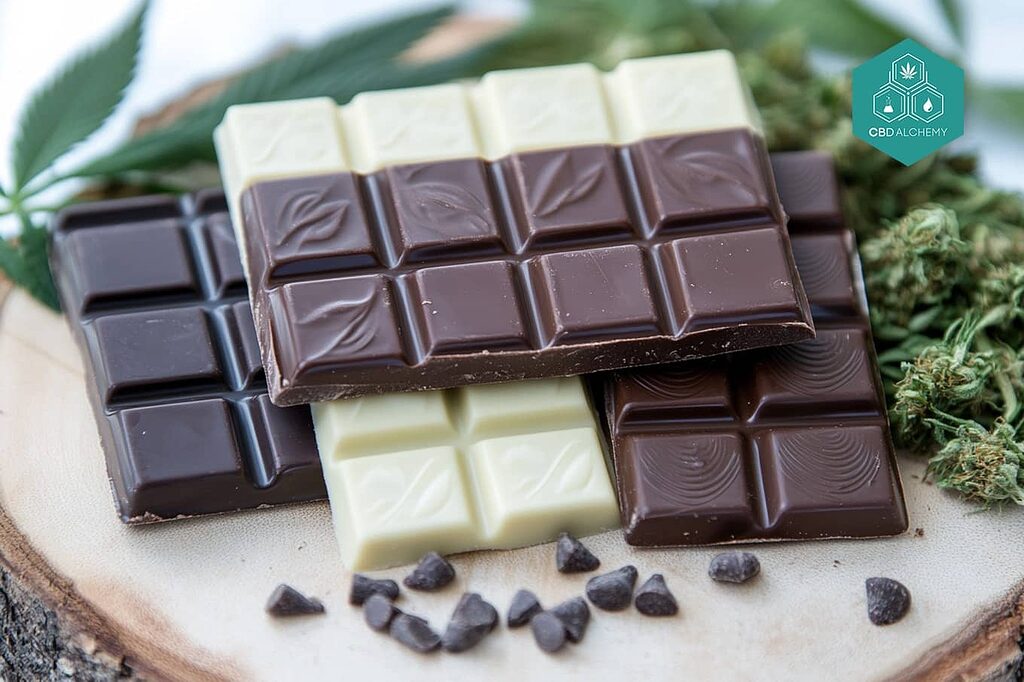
(780, 444)
(154, 293)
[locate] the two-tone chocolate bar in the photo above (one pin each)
(540, 222)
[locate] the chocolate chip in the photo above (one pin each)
(888, 600)
(548, 631)
(575, 615)
(363, 586)
(654, 598)
(524, 607)
(378, 611)
(414, 632)
(612, 591)
(285, 601)
(471, 621)
(432, 573)
(571, 556)
(734, 567)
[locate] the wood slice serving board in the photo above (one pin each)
(83, 596)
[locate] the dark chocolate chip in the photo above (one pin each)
(575, 616)
(432, 573)
(548, 631)
(654, 598)
(471, 621)
(572, 556)
(734, 567)
(378, 611)
(612, 591)
(524, 607)
(414, 632)
(363, 586)
(888, 600)
(285, 600)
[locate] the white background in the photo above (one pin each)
(188, 41)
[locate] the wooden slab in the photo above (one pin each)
(185, 599)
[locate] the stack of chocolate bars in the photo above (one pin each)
(476, 315)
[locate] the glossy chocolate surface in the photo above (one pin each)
(154, 293)
(780, 444)
(547, 263)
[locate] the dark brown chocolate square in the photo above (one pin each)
(594, 293)
(235, 324)
(225, 265)
(468, 307)
(568, 195)
(674, 394)
(146, 352)
(731, 278)
(310, 224)
(712, 178)
(443, 208)
(191, 443)
(830, 375)
(699, 479)
(829, 482)
(284, 438)
(335, 323)
(809, 190)
(823, 261)
(143, 261)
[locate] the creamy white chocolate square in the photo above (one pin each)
(405, 126)
(484, 467)
(540, 484)
(413, 502)
(553, 106)
(679, 94)
(280, 140)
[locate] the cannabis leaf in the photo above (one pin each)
(908, 71)
(953, 15)
(841, 26)
(76, 101)
(24, 260)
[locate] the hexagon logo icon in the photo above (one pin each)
(908, 102)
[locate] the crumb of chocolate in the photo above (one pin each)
(548, 631)
(919, 532)
(734, 567)
(572, 556)
(575, 616)
(378, 611)
(524, 606)
(414, 632)
(286, 601)
(472, 620)
(888, 600)
(612, 591)
(363, 586)
(655, 599)
(432, 573)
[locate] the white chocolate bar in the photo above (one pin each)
(482, 467)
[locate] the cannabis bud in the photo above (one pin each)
(982, 464)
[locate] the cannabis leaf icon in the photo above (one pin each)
(908, 71)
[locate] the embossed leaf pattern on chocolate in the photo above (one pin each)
(446, 209)
(688, 473)
(697, 173)
(392, 496)
(561, 182)
(828, 464)
(571, 470)
(818, 367)
(343, 326)
(309, 216)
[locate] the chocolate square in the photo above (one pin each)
(284, 437)
(142, 352)
(312, 224)
(829, 482)
(674, 394)
(335, 323)
(712, 178)
(823, 261)
(731, 278)
(442, 208)
(594, 293)
(568, 195)
(828, 376)
(222, 250)
(468, 307)
(144, 261)
(697, 478)
(235, 325)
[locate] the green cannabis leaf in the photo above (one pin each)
(25, 261)
(843, 26)
(954, 17)
(75, 102)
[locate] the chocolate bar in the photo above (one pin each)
(543, 222)
(479, 467)
(781, 444)
(155, 296)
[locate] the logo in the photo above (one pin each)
(908, 102)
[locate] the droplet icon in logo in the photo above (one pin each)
(928, 106)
